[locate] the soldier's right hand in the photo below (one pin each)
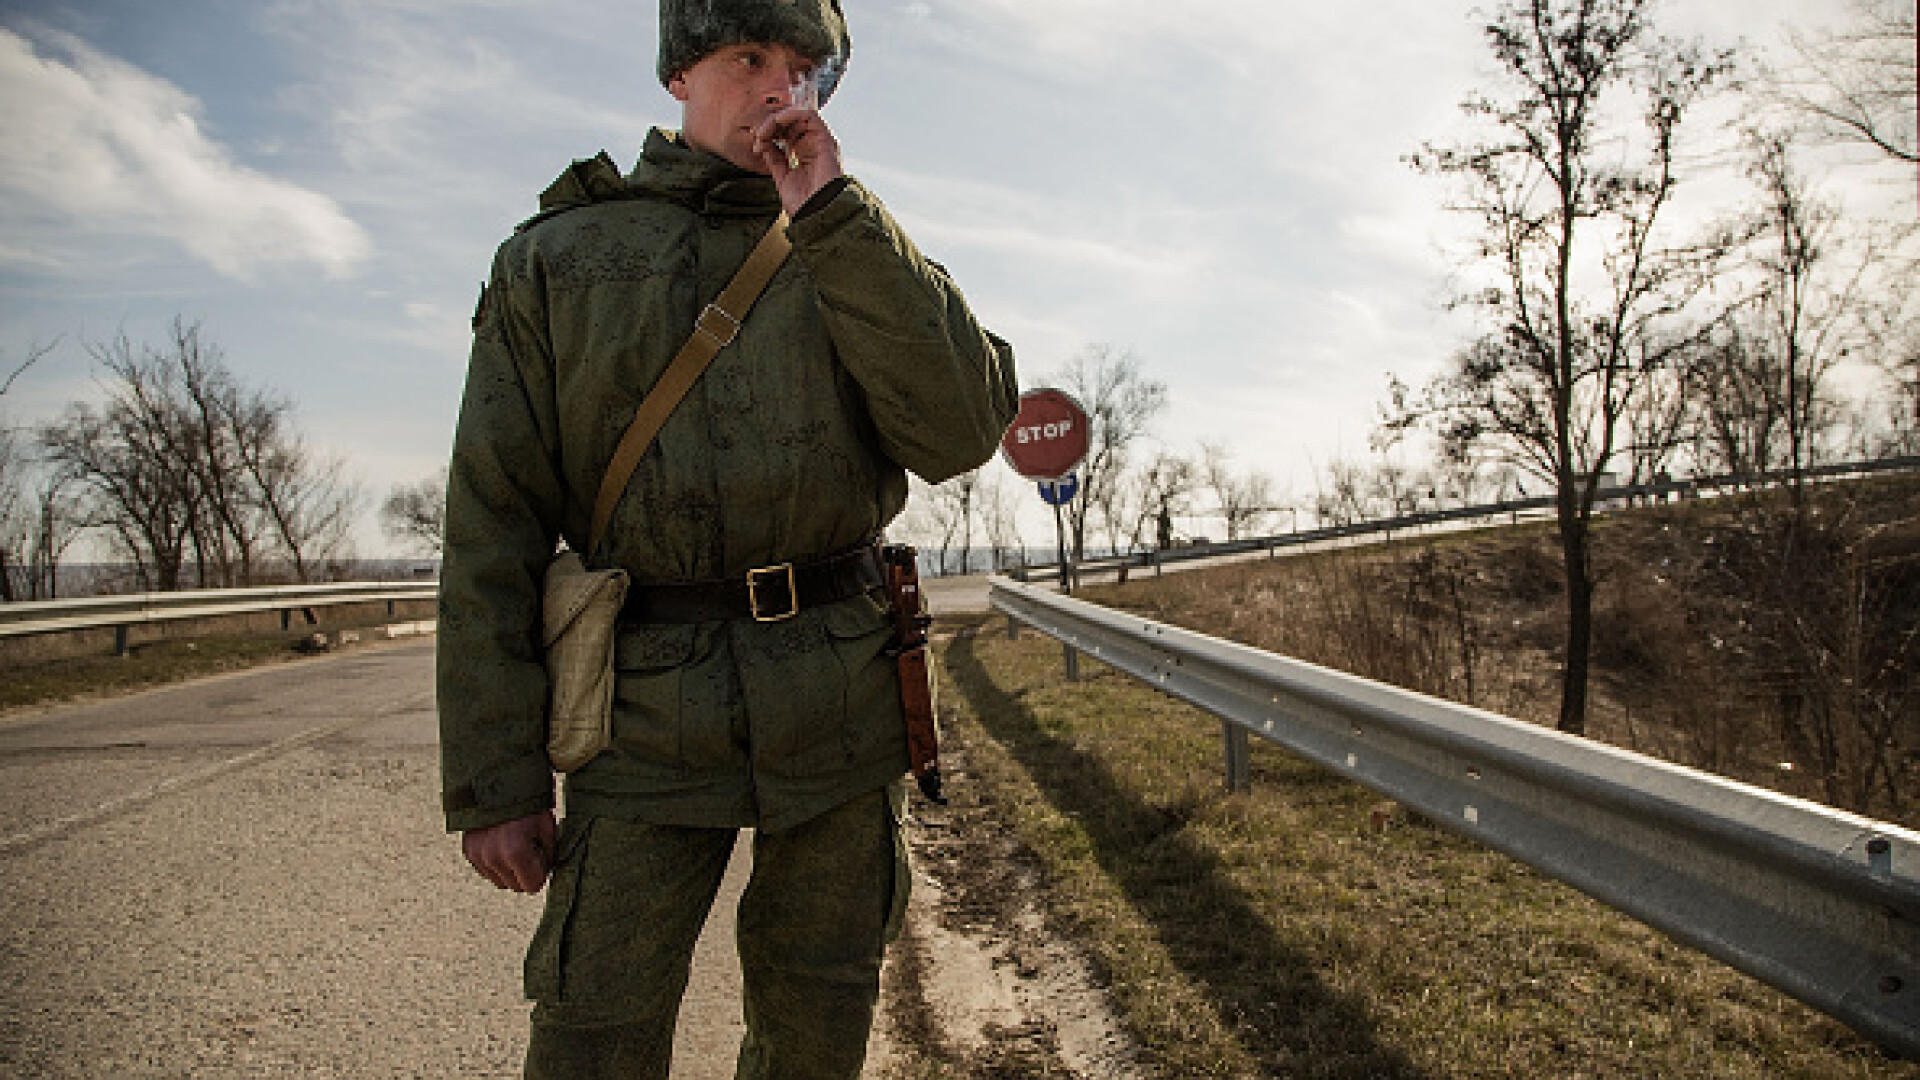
(516, 854)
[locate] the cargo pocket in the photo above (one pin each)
(650, 662)
(902, 861)
(859, 631)
(543, 975)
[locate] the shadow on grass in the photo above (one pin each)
(1268, 992)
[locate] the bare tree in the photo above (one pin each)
(1246, 499)
(15, 515)
(1346, 495)
(1659, 421)
(1893, 338)
(1159, 491)
(59, 520)
(20, 537)
(1901, 365)
(999, 515)
(214, 417)
(1586, 295)
(940, 516)
(1826, 632)
(1762, 394)
(1857, 84)
(132, 457)
(416, 513)
(1121, 404)
(1470, 481)
(1403, 490)
(962, 493)
(35, 354)
(1732, 388)
(308, 500)
(1807, 308)
(196, 479)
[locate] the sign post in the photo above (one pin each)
(1057, 494)
(1048, 440)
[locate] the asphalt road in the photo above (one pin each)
(247, 877)
(947, 595)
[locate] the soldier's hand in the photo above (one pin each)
(799, 152)
(516, 854)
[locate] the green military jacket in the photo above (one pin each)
(860, 360)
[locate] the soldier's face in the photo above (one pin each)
(729, 91)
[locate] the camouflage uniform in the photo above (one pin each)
(860, 359)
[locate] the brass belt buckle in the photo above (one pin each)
(768, 577)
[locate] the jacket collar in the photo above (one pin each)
(668, 169)
(671, 169)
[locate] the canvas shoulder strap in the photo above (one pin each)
(714, 330)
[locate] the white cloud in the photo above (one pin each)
(402, 88)
(436, 328)
(99, 147)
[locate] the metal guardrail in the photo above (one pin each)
(1626, 495)
(137, 609)
(1816, 902)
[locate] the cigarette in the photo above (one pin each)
(804, 93)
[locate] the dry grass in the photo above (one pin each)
(1717, 636)
(29, 683)
(1306, 930)
(50, 682)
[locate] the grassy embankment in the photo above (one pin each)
(36, 678)
(1302, 931)
(1308, 929)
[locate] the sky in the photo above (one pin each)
(1216, 186)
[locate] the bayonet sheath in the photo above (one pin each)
(909, 648)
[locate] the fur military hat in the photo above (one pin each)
(690, 29)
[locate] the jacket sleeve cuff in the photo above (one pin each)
(819, 200)
(504, 793)
(831, 208)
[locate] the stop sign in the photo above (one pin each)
(1049, 436)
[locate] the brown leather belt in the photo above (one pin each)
(765, 594)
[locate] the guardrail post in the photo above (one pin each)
(1072, 661)
(120, 640)
(1239, 759)
(1013, 628)
(286, 619)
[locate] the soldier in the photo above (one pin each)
(780, 467)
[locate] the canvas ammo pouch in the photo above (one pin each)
(579, 616)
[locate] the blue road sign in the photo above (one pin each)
(1060, 492)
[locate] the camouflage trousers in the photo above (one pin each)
(610, 959)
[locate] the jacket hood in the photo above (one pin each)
(671, 169)
(668, 169)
